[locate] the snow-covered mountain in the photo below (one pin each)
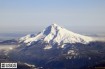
(55, 34)
(58, 47)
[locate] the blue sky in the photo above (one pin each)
(83, 16)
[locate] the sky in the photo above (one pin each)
(83, 16)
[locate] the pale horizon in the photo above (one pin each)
(26, 16)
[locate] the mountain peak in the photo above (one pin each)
(52, 29)
(56, 34)
(54, 24)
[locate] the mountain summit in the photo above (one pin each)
(58, 48)
(55, 34)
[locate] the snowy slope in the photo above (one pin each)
(56, 34)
